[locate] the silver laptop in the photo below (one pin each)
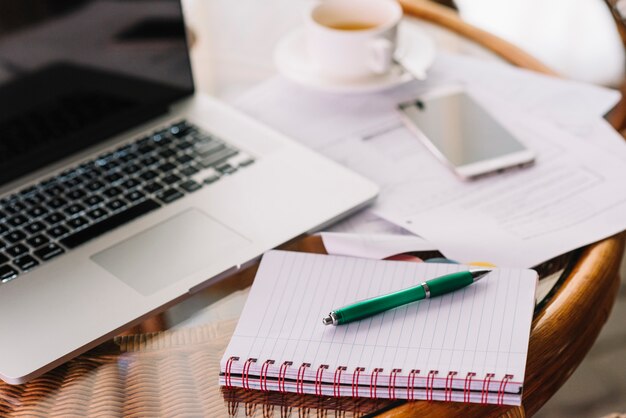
(121, 190)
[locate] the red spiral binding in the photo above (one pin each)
(502, 389)
(318, 379)
(281, 376)
(337, 381)
(467, 387)
(449, 382)
(263, 375)
(374, 383)
(245, 375)
(392, 383)
(484, 395)
(355, 381)
(227, 374)
(410, 385)
(430, 382)
(300, 378)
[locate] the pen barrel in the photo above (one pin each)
(449, 283)
(376, 305)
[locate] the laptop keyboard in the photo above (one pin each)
(45, 220)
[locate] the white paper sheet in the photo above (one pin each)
(376, 246)
(366, 222)
(573, 196)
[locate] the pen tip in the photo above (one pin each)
(477, 274)
(327, 320)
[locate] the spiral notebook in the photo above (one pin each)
(466, 346)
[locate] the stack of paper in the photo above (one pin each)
(574, 195)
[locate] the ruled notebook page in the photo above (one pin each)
(483, 328)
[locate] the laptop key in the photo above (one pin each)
(97, 213)
(3, 229)
(167, 167)
(95, 185)
(190, 186)
(37, 240)
(211, 179)
(14, 236)
(116, 204)
(167, 153)
(217, 158)
(112, 192)
(76, 194)
(74, 208)
(17, 250)
(54, 218)
(226, 169)
(153, 187)
(149, 175)
(77, 222)
(17, 220)
(169, 195)
(160, 140)
(128, 156)
(179, 129)
(57, 231)
(189, 171)
(113, 177)
(130, 183)
(3, 258)
(134, 196)
(99, 228)
(48, 251)
(56, 203)
(54, 190)
(184, 145)
(131, 169)
(7, 273)
(26, 262)
(207, 148)
(37, 211)
(145, 148)
(93, 200)
(170, 179)
(35, 227)
(148, 161)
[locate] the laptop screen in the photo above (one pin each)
(76, 72)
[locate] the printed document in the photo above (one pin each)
(572, 196)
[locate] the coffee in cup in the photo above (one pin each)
(352, 39)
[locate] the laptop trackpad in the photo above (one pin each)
(169, 251)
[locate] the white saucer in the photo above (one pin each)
(416, 50)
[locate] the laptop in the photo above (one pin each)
(123, 190)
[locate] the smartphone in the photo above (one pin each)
(462, 134)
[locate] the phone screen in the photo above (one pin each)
(461, 130)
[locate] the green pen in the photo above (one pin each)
(434, 287)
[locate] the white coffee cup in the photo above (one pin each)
(352, 39)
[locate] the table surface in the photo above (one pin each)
(175, 371)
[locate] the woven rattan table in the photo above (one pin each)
(159, 369)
